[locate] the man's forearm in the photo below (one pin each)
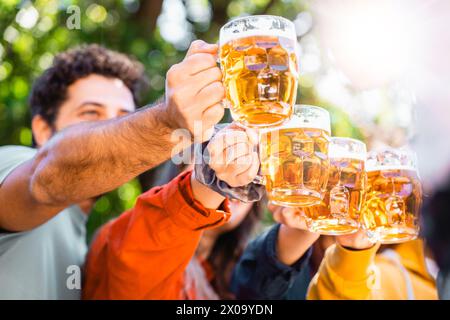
(89, 159)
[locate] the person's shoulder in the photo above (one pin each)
(16, 153)
(16, 149)
(13, 156)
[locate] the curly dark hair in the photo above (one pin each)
(50, 89)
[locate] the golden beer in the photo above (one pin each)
(260, 69)
(391, 209)
(339, 211)
(294, 158)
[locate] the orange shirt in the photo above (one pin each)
(143, 253)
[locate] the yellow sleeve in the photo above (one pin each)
(345, 274)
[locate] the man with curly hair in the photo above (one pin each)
(89, 140)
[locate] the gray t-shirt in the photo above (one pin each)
(43, 263)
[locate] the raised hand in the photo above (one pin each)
(194, 91)
(291, 217)
(357, 241)
(233, 155)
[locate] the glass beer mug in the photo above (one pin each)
(260, 69)
(294, 158)
(391, 209)
(338, 213)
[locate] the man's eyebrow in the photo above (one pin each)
(99, 105)
(91, 103)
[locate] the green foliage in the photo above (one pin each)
(28, 47)
(110, 205)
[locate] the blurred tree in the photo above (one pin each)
(156, 32)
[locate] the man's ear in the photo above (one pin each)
(42, 131)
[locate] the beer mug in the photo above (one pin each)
(390, 213)
(260, 69)
(338, 213)
(294, 158)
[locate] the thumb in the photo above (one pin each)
(200, 46)
(252, 136)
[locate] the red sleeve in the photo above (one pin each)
(143, 253)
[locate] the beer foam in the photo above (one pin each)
(238, 28)
(347, 148)
(321, 121)
(296, 122)
(379, 167)
(334, 153)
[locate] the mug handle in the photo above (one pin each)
(260, 179)
(225, 104)
(339, 202)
